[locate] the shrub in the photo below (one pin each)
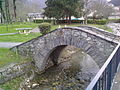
(44, 28)
(114, 20)
(72, 21)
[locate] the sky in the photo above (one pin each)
(108, 0)
(42, 2)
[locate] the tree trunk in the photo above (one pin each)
(94, 19)
(69, 19)
(14, 7)
(2, 15)
(66, 18)
(7, 11)
(85, 20)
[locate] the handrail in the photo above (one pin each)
(97, 77)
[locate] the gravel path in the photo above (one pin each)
(9, 44)
(35, 30)
(8, 34)
(12, 44)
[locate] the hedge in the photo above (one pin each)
(42, 21)
(72, 21)
(100, 22)
(90, 21)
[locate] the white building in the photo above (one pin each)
(32, 16)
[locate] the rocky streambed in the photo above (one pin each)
(74, 73)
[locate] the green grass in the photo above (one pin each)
(63, 25)
(11, 28)
(7, 57)
(95, 25)
(12, 85)
(18, 37)
(101, 27)
(24, 37)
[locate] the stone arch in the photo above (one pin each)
(88, 43)
(90, 51)
(97, 46)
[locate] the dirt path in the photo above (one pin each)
(9, 44)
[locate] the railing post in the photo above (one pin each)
(109, 76)
(105, 79)
(96, 86)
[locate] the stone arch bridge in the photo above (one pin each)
(98, 43)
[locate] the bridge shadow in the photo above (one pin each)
(76, 56)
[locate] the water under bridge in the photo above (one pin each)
(97, 43)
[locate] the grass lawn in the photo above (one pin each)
(12, 85)
(11, 28)
(24, 38)
(18, 37)
(102, 27)
(71, 25)
(7, 57)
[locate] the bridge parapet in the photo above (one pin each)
(101, 33)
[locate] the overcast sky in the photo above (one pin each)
(42, 2)
(108, 0)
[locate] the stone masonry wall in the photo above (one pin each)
(93, 42)
(12, 71)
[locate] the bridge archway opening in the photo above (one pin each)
(67, 56)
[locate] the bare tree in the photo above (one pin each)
(99, 8)
(27, 6)
(107, 11)
(86, 10)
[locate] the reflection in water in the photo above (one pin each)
(74, 73)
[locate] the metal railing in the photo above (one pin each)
(104, 78)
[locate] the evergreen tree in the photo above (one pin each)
(62, 9)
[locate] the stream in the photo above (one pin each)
(75, 73)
